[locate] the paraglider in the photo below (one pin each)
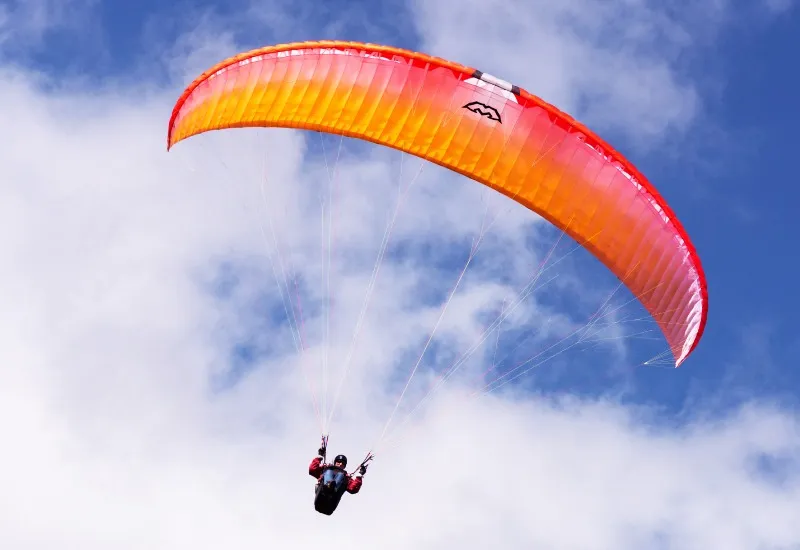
(477, 125)
(333, 480)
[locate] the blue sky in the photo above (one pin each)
(158, 349)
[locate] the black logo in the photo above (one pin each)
(484, 110)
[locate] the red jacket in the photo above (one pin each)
(316, 468)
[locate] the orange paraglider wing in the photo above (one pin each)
(477, 125)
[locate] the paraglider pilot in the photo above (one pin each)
(333, 481)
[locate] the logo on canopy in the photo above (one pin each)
(484, 110)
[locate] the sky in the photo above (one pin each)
(177, 334)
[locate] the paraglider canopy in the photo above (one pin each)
(480, 126)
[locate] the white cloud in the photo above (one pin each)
(24, 23)
(779, 6)
(113, 435)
